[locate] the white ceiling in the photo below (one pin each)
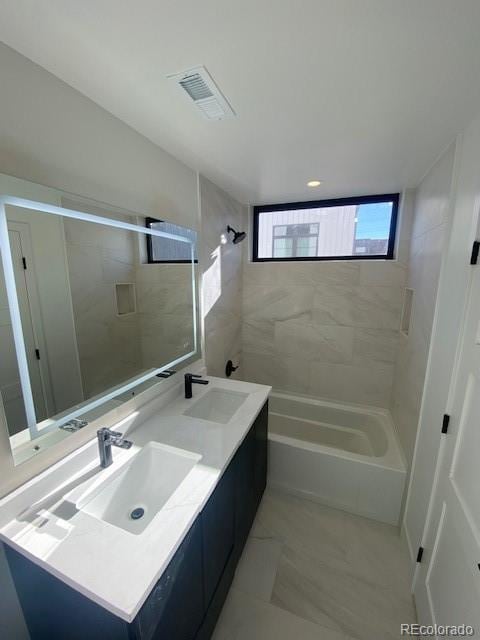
(362, 94)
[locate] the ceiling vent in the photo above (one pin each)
(201, 88)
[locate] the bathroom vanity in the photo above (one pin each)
(145, 545)
(84, 569)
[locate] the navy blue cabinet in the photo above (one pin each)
(55, 611)
(260, 433)
(218, 529)
(187, 600)
(251, 477)
(175, 607)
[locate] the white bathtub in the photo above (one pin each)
(342, 455)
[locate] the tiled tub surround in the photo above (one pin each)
(69, 542)
(325, 329)
(221, 265)
(166, 335)
(108, 345)
(339, 455)
(112, 346)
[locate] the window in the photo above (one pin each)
(165, 249)
(341, 229)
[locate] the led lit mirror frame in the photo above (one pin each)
(12, 298)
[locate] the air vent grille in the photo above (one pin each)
(196, 87)
(201, 88)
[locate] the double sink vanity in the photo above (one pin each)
(147, 546)
(135, 481)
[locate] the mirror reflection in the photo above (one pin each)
(96, 311)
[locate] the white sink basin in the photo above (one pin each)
(217, 405)
(131, 499)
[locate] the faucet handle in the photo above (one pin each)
(104, 432)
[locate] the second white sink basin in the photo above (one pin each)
(217, 405)
(131, 499)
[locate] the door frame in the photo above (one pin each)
(446, 341)
(24, 231)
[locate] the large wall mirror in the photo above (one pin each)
(93, 307)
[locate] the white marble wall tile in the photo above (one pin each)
(382, 273)
(221, 264)
(286, 374)
(258, 336)
(340, 313)
(313, 342)
(114, 270)
(108, 345)
(407, 388)
(364, 384)
(277, 302)
(301, 273)
(379, 345)
(433, 195)
(361, 306)
(424, 276)
(163, 298)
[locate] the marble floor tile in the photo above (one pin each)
(378, 554)
(339, 600)
(302, 524)
(257, 569)
(330, 575)
(371, 550)
(247, 618)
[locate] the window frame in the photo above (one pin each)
(295, 238)
(332, 202)
(150, 260)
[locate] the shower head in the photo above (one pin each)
(238, 236)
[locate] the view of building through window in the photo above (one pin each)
(351, 230)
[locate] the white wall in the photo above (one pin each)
(52, 135)
(430, 229)
(452, 296)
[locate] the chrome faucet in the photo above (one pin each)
(107, 438)
(192, 378)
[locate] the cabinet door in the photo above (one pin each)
(250, 477)
(244, 490)
(218, 532)
(261, 446)
(174, 610)
(55, 611)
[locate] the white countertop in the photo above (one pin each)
(115, 568)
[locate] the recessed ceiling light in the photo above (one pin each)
(314, 183)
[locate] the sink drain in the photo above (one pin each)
(137, 513)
